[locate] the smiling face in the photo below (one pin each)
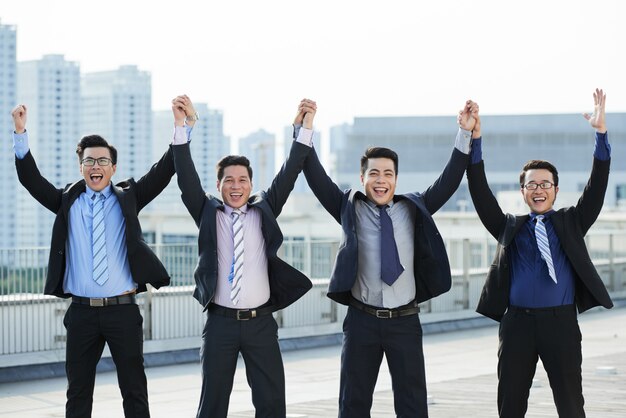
(236, 186)
(97, 177)
(539, 200)
(379, 180)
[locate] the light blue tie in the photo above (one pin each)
(98, 243)
(544, 245)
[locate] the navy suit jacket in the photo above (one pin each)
(431, 265)
(570, 225)
(132, 195)
(287, 284)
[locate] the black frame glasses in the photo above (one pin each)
(533, 186)
(102, 161)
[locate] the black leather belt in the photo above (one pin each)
(408, 309)
(100, 302)
(240, 314)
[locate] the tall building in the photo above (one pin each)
(8, 178)
(117, 105)
(208, 146)
(260, 148)
(50, 88)
(424, 145)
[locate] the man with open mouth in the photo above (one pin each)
(541, 273)
(99, 258)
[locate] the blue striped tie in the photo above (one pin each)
(544, 245)
(236, 268)
(98, 243)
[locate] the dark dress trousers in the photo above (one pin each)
(256, 339)
(552, 333)
(120, 326)
(367, 337)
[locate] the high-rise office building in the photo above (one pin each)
(117, 105)
(8, 179)
(424, 145)
(260, 148)
(50, 88)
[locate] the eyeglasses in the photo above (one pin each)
(102, 161)
(533, 186)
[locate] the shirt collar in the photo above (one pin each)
(546, 215)
(228, 210)
(106, 192)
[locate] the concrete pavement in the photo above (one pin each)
(460, 367)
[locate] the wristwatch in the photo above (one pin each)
(193, 117)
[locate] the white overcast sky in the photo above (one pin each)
(256, 59)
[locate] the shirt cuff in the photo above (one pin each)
(305, 136)
(296, 130)
(602, 150)
(182, 135)
(476, 153)
(20, 144)
(463, 141)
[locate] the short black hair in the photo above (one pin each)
(232, 160)
(92, 141)
(538, 164)
(379, 152)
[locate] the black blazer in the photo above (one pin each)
(432, 268)
(570, 224)
(132, 195)
(287, 284)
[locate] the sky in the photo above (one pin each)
(255, 60)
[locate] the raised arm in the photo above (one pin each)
(447, 183)
(485, 202)
(27, 172)
(590, 203)
(284, 181)
(192, 193)
(150, 185)
(324, 189)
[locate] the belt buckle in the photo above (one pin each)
(384, 313)
(250, 314)
(97, 302)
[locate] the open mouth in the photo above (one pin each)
(96, 178)
(380, 191)
(539, 199)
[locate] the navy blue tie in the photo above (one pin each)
(390, 267)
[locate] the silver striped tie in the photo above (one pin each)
(236, 269)
(544, 245)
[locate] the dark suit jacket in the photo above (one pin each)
(432, 268)
(570, 224)
(286, 283)
(132, 195)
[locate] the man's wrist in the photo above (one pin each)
(193, 117)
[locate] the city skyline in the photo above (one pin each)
(254, 61)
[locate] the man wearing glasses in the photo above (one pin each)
(541, 273)
(98, 258)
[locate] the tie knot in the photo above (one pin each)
(98, 196)
(235, 213)
(539, 218)
(382, 207)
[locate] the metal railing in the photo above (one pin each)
(32, 322)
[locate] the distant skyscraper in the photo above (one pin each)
(208, 146)
(118, 106)
(50, 88)
(260, 148)
(8, 179)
